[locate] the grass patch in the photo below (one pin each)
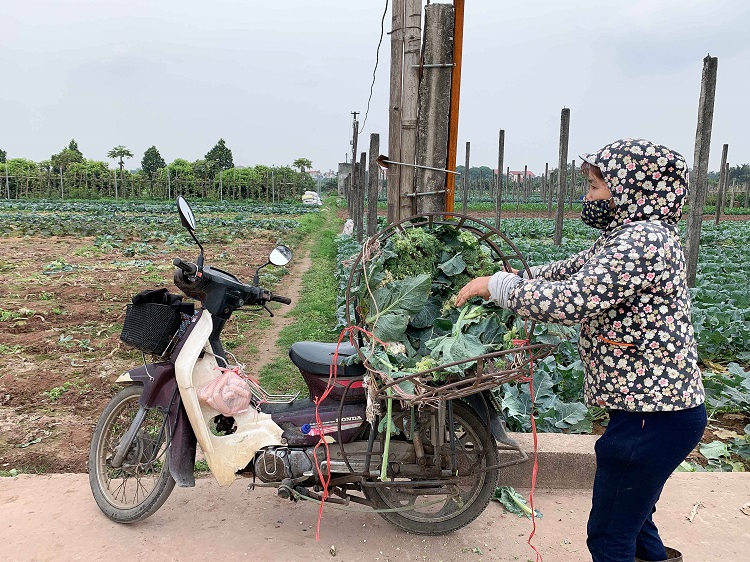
(315, 312)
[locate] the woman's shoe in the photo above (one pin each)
(672, 556)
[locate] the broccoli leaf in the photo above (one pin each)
(453, 266)
(390, 327)
(406, 296)
(429, 313)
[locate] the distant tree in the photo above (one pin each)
(73, 145)
(740, 173)
(120, 152)
(66, 156)
(205, 170)
(303, 164)
(3, 156)
(151, 163)
(221, 155)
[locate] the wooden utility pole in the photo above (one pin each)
(499, 185)
(465, 192)
(722, 183)
(372, 185)
(458, 41)
(393, 195)
(697, 190)
(562, 176)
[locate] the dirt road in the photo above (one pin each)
(54, 517)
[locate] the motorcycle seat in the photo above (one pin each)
(316, 358)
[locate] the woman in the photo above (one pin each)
(629, 294)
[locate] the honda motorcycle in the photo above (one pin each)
(441, 466)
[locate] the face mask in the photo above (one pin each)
(597, 214)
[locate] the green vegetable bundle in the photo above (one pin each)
(402, 289)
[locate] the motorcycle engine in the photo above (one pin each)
(273, 465)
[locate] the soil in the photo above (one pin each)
(60, 351)
(59, 339)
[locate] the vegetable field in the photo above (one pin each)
(721, 314)
(68, 270)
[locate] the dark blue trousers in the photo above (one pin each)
(634, 458)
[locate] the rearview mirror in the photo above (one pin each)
(280, 255)
(186, 214)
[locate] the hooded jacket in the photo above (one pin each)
(629, 290)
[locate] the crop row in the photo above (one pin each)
(152, 208)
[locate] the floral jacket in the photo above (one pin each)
(629, 290)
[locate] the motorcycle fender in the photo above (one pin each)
(195, 366)
(160, 391)
(481, 404)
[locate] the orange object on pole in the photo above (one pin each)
(458, 44)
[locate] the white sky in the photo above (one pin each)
(278, 79)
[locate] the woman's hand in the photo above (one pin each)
(478, 287)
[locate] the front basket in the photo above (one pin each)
(149, 327)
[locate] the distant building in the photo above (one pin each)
(318, 175)
(517, 175)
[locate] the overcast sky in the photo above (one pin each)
(278, 80)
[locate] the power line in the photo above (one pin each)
(377, 58)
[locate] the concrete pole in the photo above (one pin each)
(697, 190)
(722, 181)
(434, 108)
(465, 191)
(562, 176)
(372, 186)
(394, 112)
(7, 184)
(499, 186)
(731, 196)
(350, 205)
(409, 113)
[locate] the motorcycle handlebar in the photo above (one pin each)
(189, 268)
(282, 300)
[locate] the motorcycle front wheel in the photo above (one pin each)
(137, 488)
(442, 509)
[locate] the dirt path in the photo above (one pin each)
(292, 288)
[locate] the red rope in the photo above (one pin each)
(535, 467)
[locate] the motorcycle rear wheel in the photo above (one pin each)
(143, 483)
(459, 505)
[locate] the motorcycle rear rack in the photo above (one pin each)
(260, 394)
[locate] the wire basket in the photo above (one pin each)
(484, 371)
(492, 370)
(150, 327)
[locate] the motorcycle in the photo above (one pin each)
(442, 463)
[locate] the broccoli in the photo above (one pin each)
(418, 252)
